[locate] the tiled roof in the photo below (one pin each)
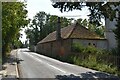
(72, 31)
(84, 33)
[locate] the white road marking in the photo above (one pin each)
(53, 59)
(57, 68)
(47, 63)
(37, 59)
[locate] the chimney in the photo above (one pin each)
(58, 30)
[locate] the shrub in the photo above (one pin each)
(70, 59)
(90, 49)
(77, 47)
(114, 51)
(94, 58)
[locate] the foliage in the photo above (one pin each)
(36, 28)
(97, 10)
(98, 61)
(43, 24)
(92, 62)
(93, 58)
(78, 47)
(14, 17)
(17, 44)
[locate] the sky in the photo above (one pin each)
(34, 6)
(46, 5)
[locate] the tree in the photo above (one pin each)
(43, 24)
(35, 32)
(97, 10)
(14, 17)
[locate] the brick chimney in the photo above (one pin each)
(58, 30)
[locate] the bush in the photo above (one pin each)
(91, 50)
(94, 58)
(77, 48)
(114, 51)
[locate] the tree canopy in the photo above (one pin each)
(97, 10)
(43, 24)
(14, 17)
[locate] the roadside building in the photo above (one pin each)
(59, 43)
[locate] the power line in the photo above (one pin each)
(69, 15)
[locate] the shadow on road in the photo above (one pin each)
(9, 77)
(67, 77)
(12, 60)
(88, 76)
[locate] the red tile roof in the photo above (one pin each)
(72, 31)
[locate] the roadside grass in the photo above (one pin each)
(90, 57)
(93, 64)
(93, 59)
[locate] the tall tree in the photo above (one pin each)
(14, 17)
(35, 32)
(43, 24)
(97, 10)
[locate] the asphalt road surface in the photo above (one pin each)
(33, 65)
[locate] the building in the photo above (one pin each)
(59, 43)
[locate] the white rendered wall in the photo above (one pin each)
(101, 44)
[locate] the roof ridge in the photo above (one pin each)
(72, 31)
(61, 29)
(89, 30)
(74, 26)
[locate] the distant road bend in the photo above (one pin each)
(33, 65)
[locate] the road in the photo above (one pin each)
(33, 65)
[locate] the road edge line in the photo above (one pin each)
(17, 70)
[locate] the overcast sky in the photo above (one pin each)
(34, 6)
